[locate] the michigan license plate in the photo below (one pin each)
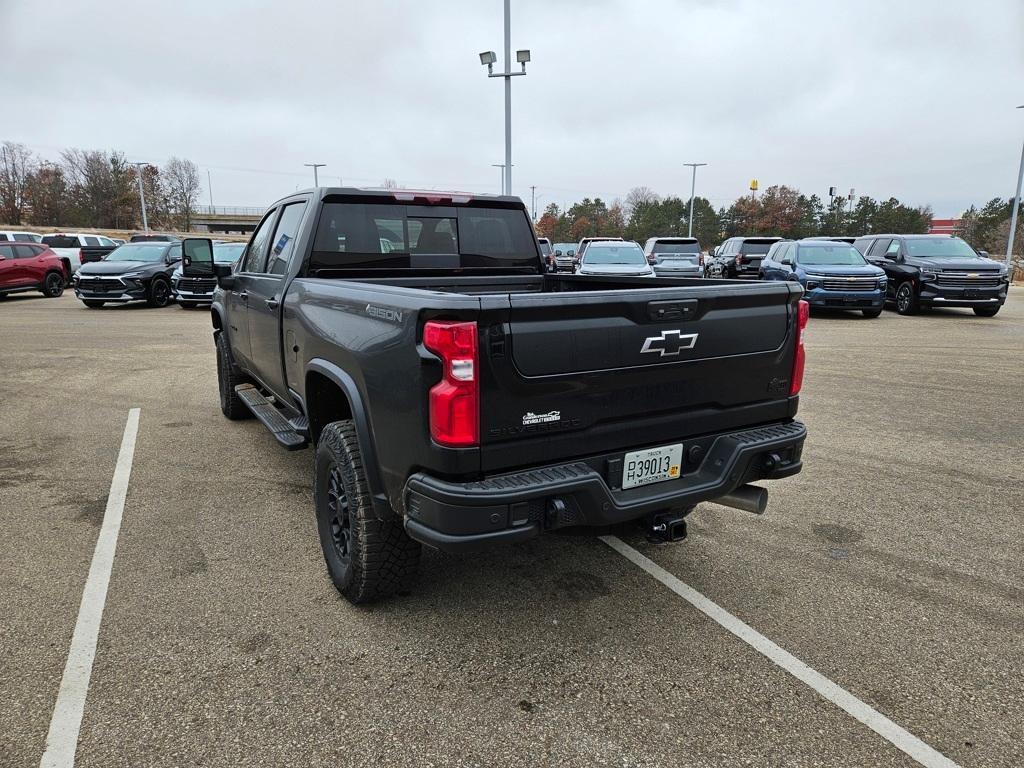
(653, 465)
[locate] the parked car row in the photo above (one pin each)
(907, 271)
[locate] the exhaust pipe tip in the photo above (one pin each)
(749, 498)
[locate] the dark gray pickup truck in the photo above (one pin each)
(458, 395)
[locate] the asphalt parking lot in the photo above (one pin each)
(892, 565)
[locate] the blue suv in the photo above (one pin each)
(834, 274)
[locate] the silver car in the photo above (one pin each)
(675, 256)
(614, 259)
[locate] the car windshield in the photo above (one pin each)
(755, 248)
(833, 255)
(565, 247)
(137, 252)
(939, 246)
(227, 253)
(619, 253)
(675, 246)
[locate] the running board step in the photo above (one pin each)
(268, 414)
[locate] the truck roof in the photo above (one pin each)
(430, 195)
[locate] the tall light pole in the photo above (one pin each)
(314, 166)
(142, 195)
(488, 58)
(693, 186)
(1013, 215)
(209, 186)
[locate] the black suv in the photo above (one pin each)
(131, 272)
(936, 271)
(739, 257)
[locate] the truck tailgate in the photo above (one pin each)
(610, 370)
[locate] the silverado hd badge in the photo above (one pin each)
(541, 418)
(669, 343)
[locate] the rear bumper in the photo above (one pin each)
(455, 516)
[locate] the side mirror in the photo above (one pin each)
(558, 253)
(570, 252)
(983, 254)
(197, 257)
(3, 258)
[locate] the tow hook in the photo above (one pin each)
(667, 526)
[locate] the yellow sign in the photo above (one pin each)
(753, 185)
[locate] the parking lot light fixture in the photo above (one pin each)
(142, 195)
(488, 58)
(693, 186)
(1013, 212)
(315, 166)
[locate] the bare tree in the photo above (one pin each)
(389, 184)
(639, 196)
(181, 180)
(16, 166)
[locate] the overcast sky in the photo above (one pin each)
(912, 99)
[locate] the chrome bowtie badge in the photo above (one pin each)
(669, 343)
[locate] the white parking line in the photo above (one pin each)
(876, 721)
(62, 740)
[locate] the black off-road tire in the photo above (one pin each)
(368, 559)
(871, 313)
(92, 303)
(907, 302)
(159, 293)
(229, 376)
(987, 311)
(53, 285)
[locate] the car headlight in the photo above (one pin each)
(812, 284)
(928, 273)
(132, 274)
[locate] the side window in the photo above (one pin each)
(878, 246)
(91, 240)
(785, 253)
(256, 252)
(106, 242)
(3, 237)
(23, 251)
(174, 253)
(7, 251)
(284, 238)
(893, 250)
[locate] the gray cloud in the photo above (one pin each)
(913, 99)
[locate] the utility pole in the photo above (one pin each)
(488, 58)
(209, 186)
(142, 195)
(1013, 214)
(314, 166)
(693, 186)
(533, 200)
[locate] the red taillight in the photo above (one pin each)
(81, 258)
(455, 400)
(700, 258)
(739, 259)
(796, 381)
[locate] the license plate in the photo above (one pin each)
(971, 293)
(653, 465)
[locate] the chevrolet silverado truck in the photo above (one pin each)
(456, 394)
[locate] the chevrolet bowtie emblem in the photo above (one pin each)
(669, 343)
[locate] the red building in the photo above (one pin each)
(943, 226)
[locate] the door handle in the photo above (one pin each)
(244, 296)
(272, 303)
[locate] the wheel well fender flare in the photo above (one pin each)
(360, 418)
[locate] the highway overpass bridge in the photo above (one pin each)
(226, 219)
